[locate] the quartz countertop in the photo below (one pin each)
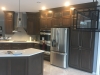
(19, 41)
(20, 53)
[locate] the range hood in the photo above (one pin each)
(19, 32)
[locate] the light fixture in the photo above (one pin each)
(72, 8)
(50, 11)
(43, 8)
(67, 3)
(3, 8)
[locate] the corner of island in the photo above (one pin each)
(27, 62)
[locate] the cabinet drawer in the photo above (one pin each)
(37, 46)
(30, 45)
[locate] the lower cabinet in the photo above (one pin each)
(28, 65)
(18, 46)
(3, 66)
(17, 66)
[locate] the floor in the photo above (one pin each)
(53, 70)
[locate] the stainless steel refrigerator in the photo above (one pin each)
(59, 47)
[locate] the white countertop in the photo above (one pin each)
(24, 53)
(19, 41)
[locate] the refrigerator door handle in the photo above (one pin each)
(58, 39)
(60, 53)
(53, 43)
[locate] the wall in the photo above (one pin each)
(96, 64)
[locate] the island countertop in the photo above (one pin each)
(19, 41)
(20, 53)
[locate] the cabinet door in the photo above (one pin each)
(30, 25)
(18, 66)
(74, 49)
(30, 45)
(3, 67)
(36, 28)
(6, 46)
(8, 27)
(37, 46)
(43, 23)
(9, 22)
(49, 22)
(56, 22)
(87, 47)
(33, 23)
(66, 22)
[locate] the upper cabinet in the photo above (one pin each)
(33, 25)
(9, 21)
(54, 18)
(45, 19)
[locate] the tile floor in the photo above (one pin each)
(52, 70)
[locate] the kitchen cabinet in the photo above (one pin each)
(46, 20)
(43, 23)
(81, 50)
(30, 45)
(6, 46)
(66, 18)
(9, 21)
(46, 23)
(33, 25)
(62, 18)
(37, 46)
(28, 64)
(18, 46)
(56, 22)
(17, 66)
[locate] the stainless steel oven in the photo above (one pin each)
(45, 43)
(45, 35)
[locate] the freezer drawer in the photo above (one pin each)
(59, 59)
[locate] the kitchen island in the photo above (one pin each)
(21, 62)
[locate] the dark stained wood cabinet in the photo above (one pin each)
(81, 50)
(46, 20)
(66, 22)
(6, 46)
(33, 25)
(43, 23)
(56, 22)
(26, 65)
(18, 46)
(18, 66)
(9, 21)
(37, 46)
(3, 66)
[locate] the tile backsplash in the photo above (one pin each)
(33, 37)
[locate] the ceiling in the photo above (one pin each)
(35, 5)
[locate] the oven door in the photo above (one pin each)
(45, 37)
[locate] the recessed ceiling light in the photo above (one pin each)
(3, 8)
(67, 4)
(43, 8)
